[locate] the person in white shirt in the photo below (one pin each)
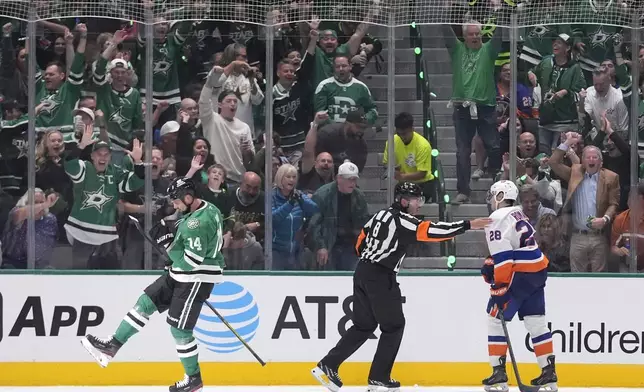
(231, 138)
(602, 98)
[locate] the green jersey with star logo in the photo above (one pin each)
(196, 249)
(537, 40)
(58, 105)
(597, 30)
(14, 155)
(122, 110)
(166, 56)
(96, 195)
(341, 98)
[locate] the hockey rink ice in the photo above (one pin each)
(287, 389)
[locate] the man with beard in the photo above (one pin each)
(329, 47)
(245, 204)
(315, 170)
(342, 94)
(91, 226)
(134, 204)
(345, 140)
(120, 103)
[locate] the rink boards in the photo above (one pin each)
(292, 321)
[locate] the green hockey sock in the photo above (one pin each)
(135, 319)
(187, 350)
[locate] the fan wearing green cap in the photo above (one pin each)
(97, 184)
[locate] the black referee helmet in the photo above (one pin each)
(406, 190)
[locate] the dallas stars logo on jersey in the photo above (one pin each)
(96, 199)
(118, 118)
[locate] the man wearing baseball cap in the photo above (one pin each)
(561, 80)
(345, 140)
(343, 212)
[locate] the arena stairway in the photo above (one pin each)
(470, 247)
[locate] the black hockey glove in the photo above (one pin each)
(163, 235)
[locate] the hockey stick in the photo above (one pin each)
(522, 387)
(165, 256)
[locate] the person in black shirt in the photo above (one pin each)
(292, 102)
(377, 299)
(345, 140)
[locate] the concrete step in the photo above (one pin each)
(401, 94)
(400, 68)
(432, 36)
(464, 211)
(482, 184)
(413, 107)
(431, 55)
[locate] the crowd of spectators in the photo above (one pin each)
(573, 158)
(208, 124)
(209, 88)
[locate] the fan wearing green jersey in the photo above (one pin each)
(120, 103)
(196, 264)
(597, 33)
(342, 93)
(168, 49)
(57, 92)
(97, 185)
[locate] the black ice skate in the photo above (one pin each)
(188, 384)
(327, 376)
(547, 381)
(383, 386)
(498, 381)
(103, 350)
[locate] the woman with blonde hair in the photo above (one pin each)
(290, 210)
(51, 176)
(552, 243)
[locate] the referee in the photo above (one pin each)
(377, 300)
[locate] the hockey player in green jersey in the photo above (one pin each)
(197, 264)
(57, 93)
(97, 185)
(120, 103)
(342, 93)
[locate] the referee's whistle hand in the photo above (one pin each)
(480, 223)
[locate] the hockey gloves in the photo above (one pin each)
(163, 234)
(488, 270)
(500, 295)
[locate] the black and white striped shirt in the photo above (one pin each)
(384, 239)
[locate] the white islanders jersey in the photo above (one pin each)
(510, 239)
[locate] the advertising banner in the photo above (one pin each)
(300, 318)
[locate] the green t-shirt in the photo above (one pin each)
(473, 71)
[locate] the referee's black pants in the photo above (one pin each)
(376, 301)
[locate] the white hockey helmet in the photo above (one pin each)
(500, 191)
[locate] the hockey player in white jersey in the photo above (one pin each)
(517, 272)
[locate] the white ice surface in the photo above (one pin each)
(286, 389)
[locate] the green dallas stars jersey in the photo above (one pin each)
(14, 156)
(96, 195)
(122, 110)
(57, 111)
(537, 40)
(196, 249)
(166, 54)
(340, 98)
(597, 29)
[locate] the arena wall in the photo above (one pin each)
(292, 320)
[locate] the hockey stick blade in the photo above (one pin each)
(165, 256)
(522, 387)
